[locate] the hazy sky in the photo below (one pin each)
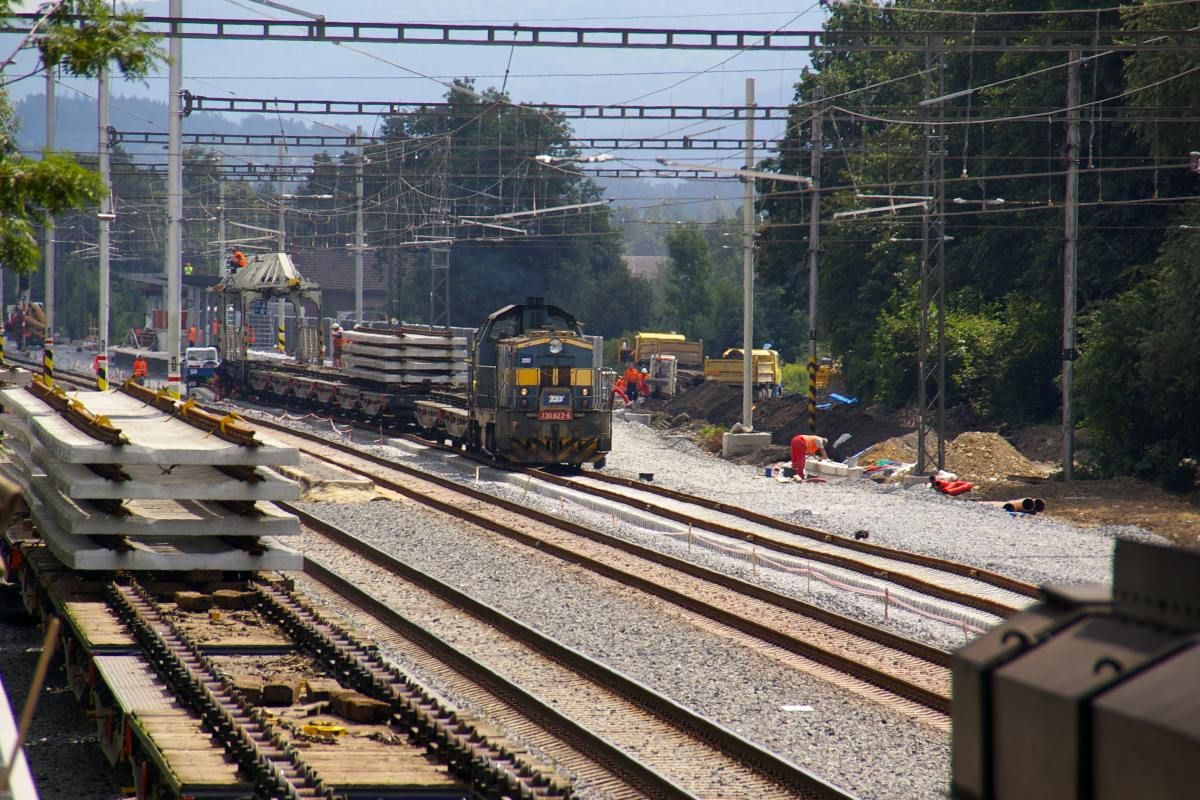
(554, 75)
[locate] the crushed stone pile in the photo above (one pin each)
(974, 456)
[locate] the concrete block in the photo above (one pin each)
(155, 439)
(360, 708)
(164, 518)
(913, 480)
(282, 690)
(736, 444)
(152, 482)
(638, 417)
(232, 599)
(854, 472)
(193, 601)
(158, 553)
(322, 689)
(251, 687)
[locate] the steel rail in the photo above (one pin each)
(276, 770)
(837, 661)
(965, 570)
(821, 655)
(542, 714)
(463, 747)
(715, 735)
(787, 548)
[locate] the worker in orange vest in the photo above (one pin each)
(192, 336)
(803, 446)
(237, 260)
(141, 370)
(632, 378)
(643, 384)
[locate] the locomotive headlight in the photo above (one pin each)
(556, 345)
(524, 391)
(585, 391)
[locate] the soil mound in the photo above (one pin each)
(974, 456)
(786, 416)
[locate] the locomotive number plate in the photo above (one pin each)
(554, 414)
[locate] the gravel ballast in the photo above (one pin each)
(641, 637)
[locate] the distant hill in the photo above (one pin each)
(688, 199)
(76, 129)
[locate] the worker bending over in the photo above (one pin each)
(805, 445)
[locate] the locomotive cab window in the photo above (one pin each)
(556, 376)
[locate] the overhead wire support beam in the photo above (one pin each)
(349, 141)
(252, 172)
(872, 41)
(273, 105)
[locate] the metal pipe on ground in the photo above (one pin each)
(1023, 505)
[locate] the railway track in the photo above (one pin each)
(958, 583)
(948, 581)
(634, 733)
(861, 657)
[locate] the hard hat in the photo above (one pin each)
(645, 371)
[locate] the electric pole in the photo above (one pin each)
(174, 266)
(748, 267)
(358, 227)
(1070, 254)
(50, 230)
(932, 409)
(814, 249)
(105, 218)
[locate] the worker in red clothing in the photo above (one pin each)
(803, 446)
(618, 390)
(141, 370)
(337, 345)
(643, 384)
(631, 382)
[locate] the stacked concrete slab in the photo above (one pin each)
(168, 496)
(401, 357)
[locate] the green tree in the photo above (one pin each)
(689, 291)
(1003, 267)
(441, 168)
(80, 36)
(1139, 376)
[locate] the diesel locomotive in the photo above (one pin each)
(536, 392)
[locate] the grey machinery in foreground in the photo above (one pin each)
(1090, 693)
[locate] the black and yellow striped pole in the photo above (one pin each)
(3, 363)
(48, 358)
(280, 339)
(102, 371)
(812, 394)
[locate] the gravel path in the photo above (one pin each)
(644, 638)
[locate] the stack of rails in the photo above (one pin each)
(402, 357)
(115, 483)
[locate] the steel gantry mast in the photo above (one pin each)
(931, 366)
